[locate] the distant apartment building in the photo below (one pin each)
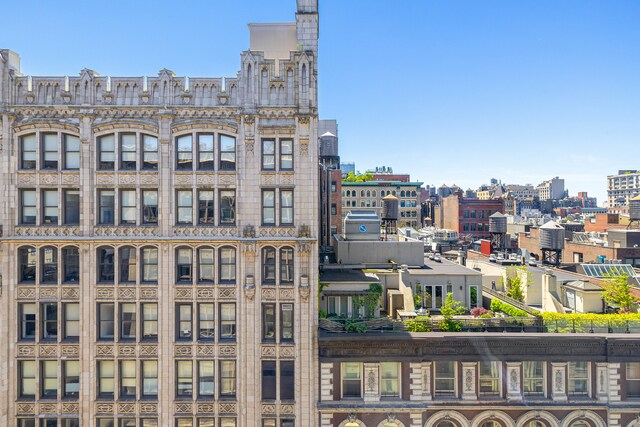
(330, 181)
(552, 189)
(586, 201)
(368, 195)
(526, 191)
(620, 188)
(467, 216)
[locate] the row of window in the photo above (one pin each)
(149, 422)
(475, 227)
(374, 193)
(481, 213)
(134, 151)
(52, 211)
(48, 386)
(373, 203)
(50, 321)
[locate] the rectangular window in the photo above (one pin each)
(334, 209)
(49, 321)
(184, 265)
(185, 321)
(227, 153)
(206, 328)
(185, 207)
(27, 387)
(390, 379)
(227, 207)
(106, 207)
(49, 151)
(71, 152)
(227, 265)
(286, 207)
(445, 377)
(205, 207)
(227, 422)
(489, 378)
(27, 321)
(206, 422)
(227, 320)
(268, 154)
(128, 321)
(205, 265)
(128, 151)
(185, 152)
(286, 266)
(286, 154)
(351, 375)
(150, 378)
(49, 387)
(107, 156)
(105, 422)
(28, 206)
(150, 206)
(184, 378)
(70, 265)
(105, 321)
(106, 373)
(578, 378)
(473, 296)
(106, 257)
(149, 152)
(71, 320)
(268, 207)
(205, 378)
(127, 271)
(287, 383)
(150, 265)
(71, 378)
(205, 152)
(227, 378)
(633, 379)
(49, 265)
(128, 207)
(268, 322)
(29, 151)
(269, 382)
(71, 207)
(27, 257)
(286, 322)
(150, 321)
(50, 207)
(533, 378)
(128, 378)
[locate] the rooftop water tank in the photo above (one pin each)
(362, 225)
(328, 145)
(551, 236)
(390, 208)
(634, 209)
(498, 223)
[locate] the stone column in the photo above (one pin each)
(602, 382)
(371, 383)
(469, 391)
(514, 385)
(559, 382)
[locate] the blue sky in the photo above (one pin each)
(449, 91)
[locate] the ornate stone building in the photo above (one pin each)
(158, 248)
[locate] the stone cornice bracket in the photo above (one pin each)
(249, 288)
(305, 289)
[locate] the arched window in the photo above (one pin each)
(149, 264)
(27, 264)
(368, 193)
(227, 264)
(127, 264)
(269, 265)
(361, 193)
(374, 193)
(49, 265)
(70, 265)
(445, 424)
(393, 192)
(106, 259)
(402, 203)
(413, 194)
(206, 259)
(373, 203)
(184, 265)
(402, 193)
(286, 265)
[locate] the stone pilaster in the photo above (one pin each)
(514, 384)
(602, 382)
(469, 383)
(420, 377)
(614, 382)
(326, 381)
(371, 382)
(416, 419)
(326, 420)
(559, 382)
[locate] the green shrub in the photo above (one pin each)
(418, 324)
(508, 309)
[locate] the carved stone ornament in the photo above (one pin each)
(305, 289)
(249, 288)
(249, 231)
(304, 231)
(468, 380)
(513, 380)
(558, 381)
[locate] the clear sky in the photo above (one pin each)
(449, 91)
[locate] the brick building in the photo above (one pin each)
(467, 216)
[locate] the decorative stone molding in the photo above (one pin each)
(105, 350)
(205, 293)
(48, 351)
(27, 178)
(184, 293)
(559, 382)
(602, 382)
(205, 231)
(70, 293)
(268, 351)
(287, 351)
(305, 289)
(268, 409)
(371, 383)
(287, 409)
(148, 293)
(26, 408)
(126, 293)
(529, 416)
(184, 408)
(228, 408)
(104, 408)
(102, 231)
(70, 408)
(47, 231)
(469, 391)
(249, 231)
(483, 417)
(249, 288)
(304, 231)
(126, 408)
(70, 351)
(268, 294)
(48, 292)
(183, 350)
(48, 408)
(514, 389)
(148, 408)
(127, 350)
(227, 351)
(206, 408)
(26, 350)
(205, 350)
(205, 179)
(26, 293)
(105, 293)
(148, 350)
(226, 293)
(287, 293)
(277, 232)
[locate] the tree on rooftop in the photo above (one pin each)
(359, 177)
(618, 293)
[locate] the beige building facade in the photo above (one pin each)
(158, 248)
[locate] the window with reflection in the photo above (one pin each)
(71, 207)
(445, 377)
(268, 207)
(49, 318)
(106, 321)
(269, 265)
(269, 322)
(184, 265)
(227, 153)
(286, 322)
(227, 378)
(27, 264)
(149, 321)
(227, 207)
(578, 378)
(185, 321)
(28, 207)
(205, 378)
(27, 313)
(149, 152)
(227, 265)
(205, 207)
(206, 328)
(107, 152)
(227, 321)
(106, 206)
(128, 207)
(49, 151)
(184, 378)
(632, 371)
(286, 265)
(29, 151)
(268, 154)
(106, 264)
(127, 261)
(286, 207)
(128, 379)
(49, 373)
(205, 151)
(71, 378)
(128, 151)
(149, 378)
(27, 383)
(489, 378)
(71, 152)
(50, 207)
(286, 154)
(150, 264)
(71, 321)
(533, 378)
(185, 206)
(205, 265)
(49, 265)
(128, 321)
(150, 206)
(185, 152)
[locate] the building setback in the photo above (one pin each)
(159, 242)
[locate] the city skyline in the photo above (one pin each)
(552, 84)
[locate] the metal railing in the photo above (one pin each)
(517, 304)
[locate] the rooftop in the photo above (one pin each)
(382, 184)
